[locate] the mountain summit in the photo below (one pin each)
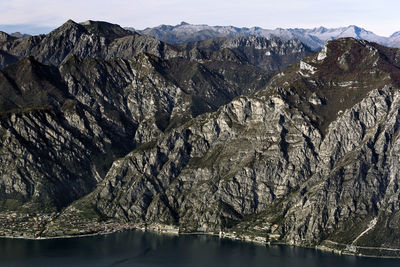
(253, 138)
(310, 160)
(108, 41)
(314, 38)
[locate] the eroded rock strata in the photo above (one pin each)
(204, 141)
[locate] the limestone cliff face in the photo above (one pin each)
(222, 167)
(62, 127)
(202, 138)
(355, 180)
(260, 162)
(262, 159)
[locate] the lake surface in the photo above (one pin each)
(136, 248)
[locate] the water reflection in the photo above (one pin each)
(135, 248)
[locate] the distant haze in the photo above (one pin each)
(40, 16)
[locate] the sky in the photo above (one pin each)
(41, 16)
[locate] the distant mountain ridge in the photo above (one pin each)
(314, 38)
(106, 40)
(130, 88)
(252, 138)
(20, 35)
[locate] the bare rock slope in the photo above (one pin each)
(311, 160)
(203, 137)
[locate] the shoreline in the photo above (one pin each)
(171, 230)
(64, 236)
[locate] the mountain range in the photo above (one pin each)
(248, 137)
(314, 38)
(108, 41)
(123, 90)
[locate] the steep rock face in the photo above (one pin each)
(55, 148)
(325, 84)
(63, 127)
(4, 37)
(40, 168)
(224, 166)
(272, 54)
(233, 164)
(6, 59)
(267, 162)
(307, 157)
(354, 182)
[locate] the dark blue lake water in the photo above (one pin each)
(136, 248)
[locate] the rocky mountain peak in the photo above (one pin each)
(105, 29)
(87, 22)
(108, 41)
(20, 35)
(355, 32)
(209, 136)
(395, 34)
(69, 28)
(320, 30)
(5, 37)
(68, 24)
(337, 77)
(314, 38)
(348, 55)
(298, 161)
(94, 39)
(255, 50)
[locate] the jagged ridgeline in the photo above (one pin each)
(312, 159)
(110, 41)
(101, 124)
(314, 38)
(87, 94)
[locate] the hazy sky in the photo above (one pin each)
(40, 16)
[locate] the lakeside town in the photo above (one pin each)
(72, 223)
(53, 225)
